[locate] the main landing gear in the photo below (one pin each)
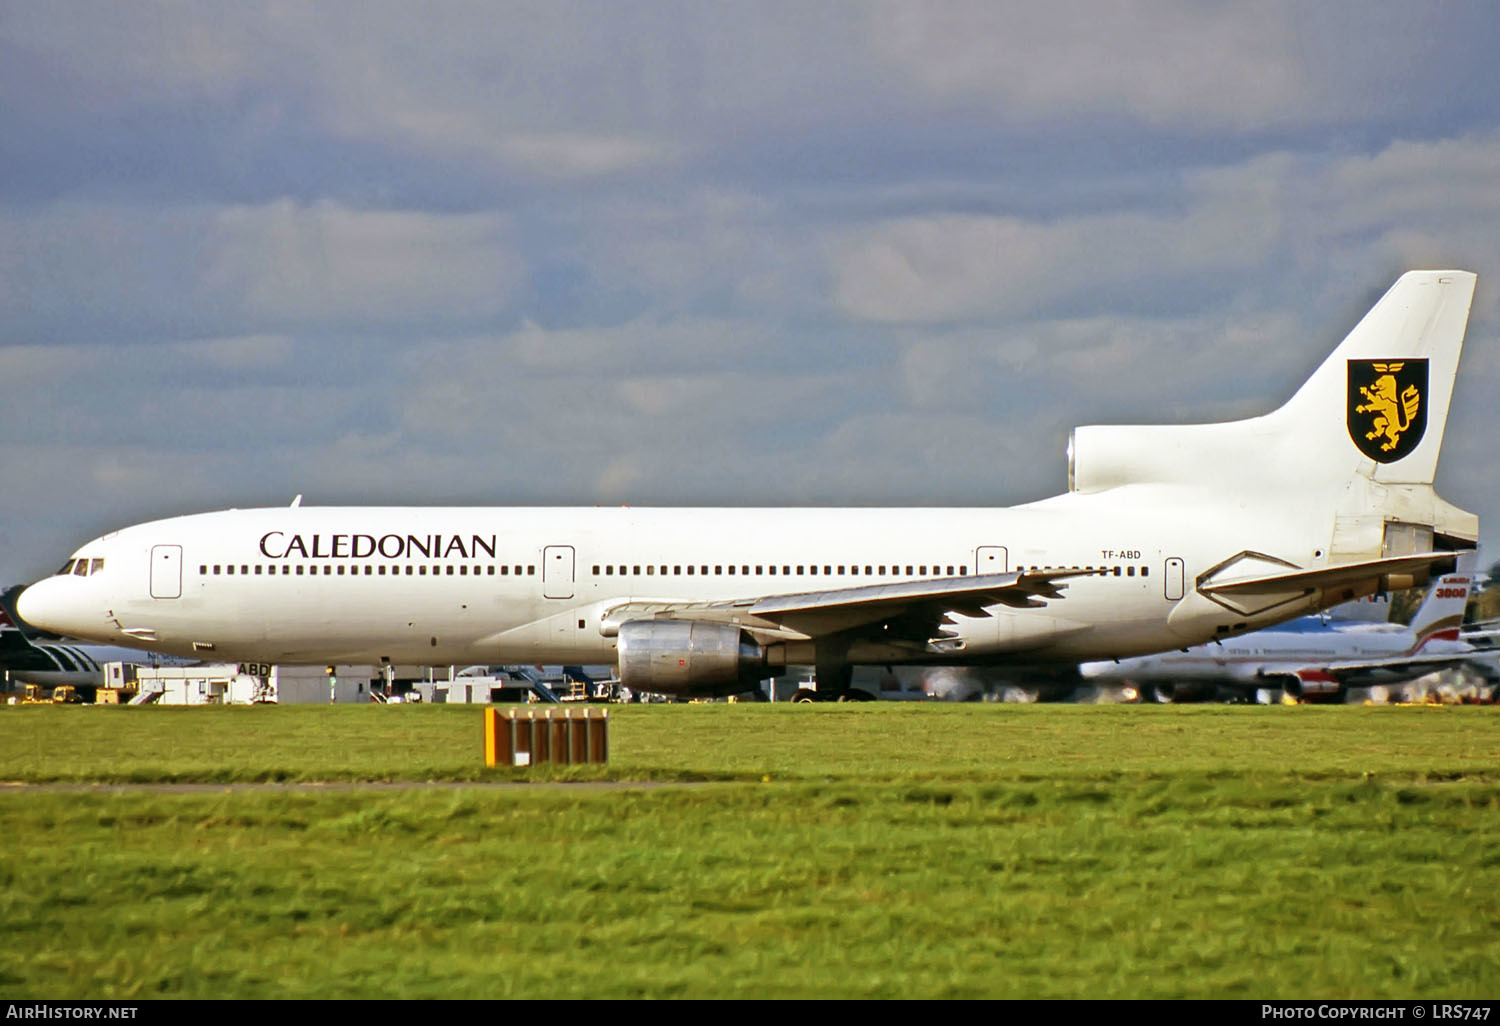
(832, 682)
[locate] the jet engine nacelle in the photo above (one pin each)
(1314, 687)
(688, 657)
(1182, 691)
(1108, 456)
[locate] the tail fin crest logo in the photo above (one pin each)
(1387, 407)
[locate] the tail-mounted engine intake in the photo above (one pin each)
(688, 657)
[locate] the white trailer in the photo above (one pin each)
(243, 683)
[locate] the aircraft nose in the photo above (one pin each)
(49, 605)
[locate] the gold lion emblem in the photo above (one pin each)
(1393, 415)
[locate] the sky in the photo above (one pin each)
(702, 253)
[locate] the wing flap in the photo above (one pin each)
(921, 604)
(918, 608)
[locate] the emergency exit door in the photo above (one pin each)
(1174, 582)
(557, 571)
(990, 559)
(166, 571)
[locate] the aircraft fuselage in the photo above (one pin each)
(341, 584)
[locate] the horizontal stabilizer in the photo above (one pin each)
(1348, 575)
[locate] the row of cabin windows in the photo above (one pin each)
(1129, 571)
(370, 570)
(831, 570)
(703, 570)
(746, 570)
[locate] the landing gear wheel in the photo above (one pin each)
(805, 695)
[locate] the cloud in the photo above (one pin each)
(728, 246)
(948, 267)
(574, 155)
(325, 261)
(142, 53)
(1341, 218)
(1161, 62)
(558, 252)
(135, 269)
(245, 352)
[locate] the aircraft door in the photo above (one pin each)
(1173, 579)
(990, 559)
(166, 571)
(557, 572)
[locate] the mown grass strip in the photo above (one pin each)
(835, 852)
(1150, 888)
(716, 742)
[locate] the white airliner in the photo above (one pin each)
(1168, 536)
(1310, 658)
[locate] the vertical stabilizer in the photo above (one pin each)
(1441, 613)
(1378, 405)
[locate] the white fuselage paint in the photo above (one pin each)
(311, 584)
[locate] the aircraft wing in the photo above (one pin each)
(1398, 668)
(1367, 673)
(912, 610)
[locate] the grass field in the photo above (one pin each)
(900, 850)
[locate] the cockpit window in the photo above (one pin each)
(67, 568)
(97, 566)
(81, 568)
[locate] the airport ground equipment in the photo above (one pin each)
(509, 684)
(528, 737)
(241, 684)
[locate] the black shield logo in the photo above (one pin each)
(1387, 407)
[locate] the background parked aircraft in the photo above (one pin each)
(32, 656)
(1313, 658)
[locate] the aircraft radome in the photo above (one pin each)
(1168, 536)
(49, 661)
